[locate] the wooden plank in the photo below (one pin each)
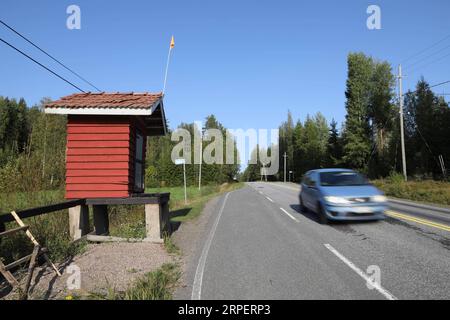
(8, 276)
(98, 137)
(94, 180)
(31, 267)
(12, 231)
(98, 144)
(92, 123)
(98, 158)
(97, 151)
(33, 239)
(97, 187)
(97, 129)
(96, 165)
(17, 263)
(121, 201)
(96, 194)
(97, 120)
(28, 213)
(96, 173)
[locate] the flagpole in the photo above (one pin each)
(167, 65)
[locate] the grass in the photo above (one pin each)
(156, 285)
(129, 222)
(197, 199)
(433, 192)
(51, 230)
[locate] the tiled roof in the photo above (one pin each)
(107, 100)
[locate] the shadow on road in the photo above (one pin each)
(340, 225)
(308, 214)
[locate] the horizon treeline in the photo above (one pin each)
(369, 138)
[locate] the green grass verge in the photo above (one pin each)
(432, 192)
(196, 199)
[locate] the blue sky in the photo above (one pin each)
(247, 62)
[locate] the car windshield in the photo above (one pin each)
(342, 178)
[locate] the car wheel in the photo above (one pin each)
(323, 219)
(302, 205)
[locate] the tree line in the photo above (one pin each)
(161, 171)
(33, 146)
(369, 138)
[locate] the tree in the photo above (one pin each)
(357, 145)
(334, 147)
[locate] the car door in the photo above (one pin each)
(306, 190)
(313, 191)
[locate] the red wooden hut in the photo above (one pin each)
(106, 139)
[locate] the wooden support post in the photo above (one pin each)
(78, 221)
(101, 220)
(31, 268)
(153, 222)
(166, 217)
(2, 229)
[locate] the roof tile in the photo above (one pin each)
(107, 100)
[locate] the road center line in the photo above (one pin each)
(376, 286)
(269, 199)
(290, 215)
(198, 279)
(417, 220)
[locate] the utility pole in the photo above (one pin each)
(285, 156)
(402, 132)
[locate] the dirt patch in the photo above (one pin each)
(102, 267)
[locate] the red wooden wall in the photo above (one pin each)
(100, 156)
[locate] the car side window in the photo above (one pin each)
(308, 180)
(312, 179)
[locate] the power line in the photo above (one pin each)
(426, 58)
(426, 49)
(47, 54)
(430, 63)
(433, 86)
(49, 70)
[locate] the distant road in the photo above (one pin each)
(261, 246)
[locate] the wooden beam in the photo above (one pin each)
(11, 231)
(136, 200)
(28, 213)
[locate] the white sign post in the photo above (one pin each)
(183, 162)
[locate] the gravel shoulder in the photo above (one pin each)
(102, 267)
(190, 238)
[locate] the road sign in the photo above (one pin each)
(183, 162)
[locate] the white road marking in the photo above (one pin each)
(290, 215)
(198, 279)
(269, 199)
(376, 286)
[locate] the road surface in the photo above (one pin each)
(259, 245)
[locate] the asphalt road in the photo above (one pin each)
(258, 245)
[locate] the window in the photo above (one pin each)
(342, 178)
(139, 162)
